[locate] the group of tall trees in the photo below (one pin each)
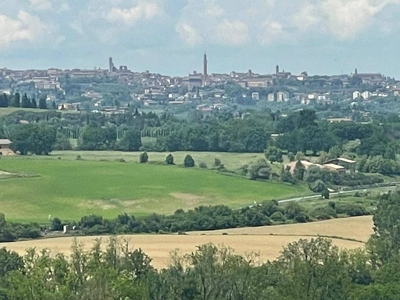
(306, 269)
(24, 102)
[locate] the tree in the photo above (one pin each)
(56, 224)
(3, 100)
(386, 240)
(16, 100)
(143, 158)
(325, 194)
(43, 103)
(25, 103)
(299, 170)
(169, 160)
(38, 138)
(33, 103)
(131, 141)
(335, 152)
(273, 154)
(189, 161)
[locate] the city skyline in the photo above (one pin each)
(169, 37)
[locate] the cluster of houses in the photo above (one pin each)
(175, 90)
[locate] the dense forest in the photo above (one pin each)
(307, 269)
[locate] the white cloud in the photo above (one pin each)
(41, 4)
(345, 19)
(232, 33)
(24, 28)
(130, 16)
(188, 34)
(272, 31)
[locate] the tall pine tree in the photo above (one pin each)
(17, 100)
(33, 103)
(25, 103)
(42, 103)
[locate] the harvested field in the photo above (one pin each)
(245, 240)
(359, 229)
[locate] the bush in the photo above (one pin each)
(302, 218)
(144, 158)
(317, 186)
(277, 217)
(169, 160)
(217, 162)
(352, 210)
(203, 165)
(78, 157)
(324, 213)
(189, 161)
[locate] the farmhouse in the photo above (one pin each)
(347, 164)
(5, 147)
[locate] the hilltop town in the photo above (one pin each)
(113, 90)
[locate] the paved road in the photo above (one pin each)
(297, 199)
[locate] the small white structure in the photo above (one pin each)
(366, 95)
(271, 97)
(65, 229)
(255, 96)
(356, 95)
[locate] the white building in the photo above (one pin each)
(356, 95)
(282, 96)
(255, 96)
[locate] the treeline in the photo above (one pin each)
(307, 269)
(202, 218)
(24, 102)
(213, 218)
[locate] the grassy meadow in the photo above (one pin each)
(69, 189)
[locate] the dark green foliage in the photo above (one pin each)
(351, 210)
(273, 154)
(317, 186)
(33, 103)
(36, 138)
(189, 161)
(203, 165)
(260, 170)
(131, 141)
(299, 170)
(325, 194)
(16, 101)
(169, 160)
(324, 213)
(43, 103)
(278, 217)
(217, 162)
(95, 137)
(143, 158)
(56, 224)
(25, 102)
(4, 100)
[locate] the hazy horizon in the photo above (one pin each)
(324, 37)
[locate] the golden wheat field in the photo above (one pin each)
(265, 241)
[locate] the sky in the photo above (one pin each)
(323, 37)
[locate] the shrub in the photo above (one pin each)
(352, 210)
(144, 158)
(203, 165)
(217, 162)
(277, 217)
(189, 161)
(317, 186)
(78, 157)
(169, 160)
(325, 194)
(324, 213)
(301, 218)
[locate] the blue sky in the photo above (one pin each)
(170, 36)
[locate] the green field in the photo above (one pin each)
(69, 189)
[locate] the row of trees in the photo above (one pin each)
(24, 102)
(307, 269)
